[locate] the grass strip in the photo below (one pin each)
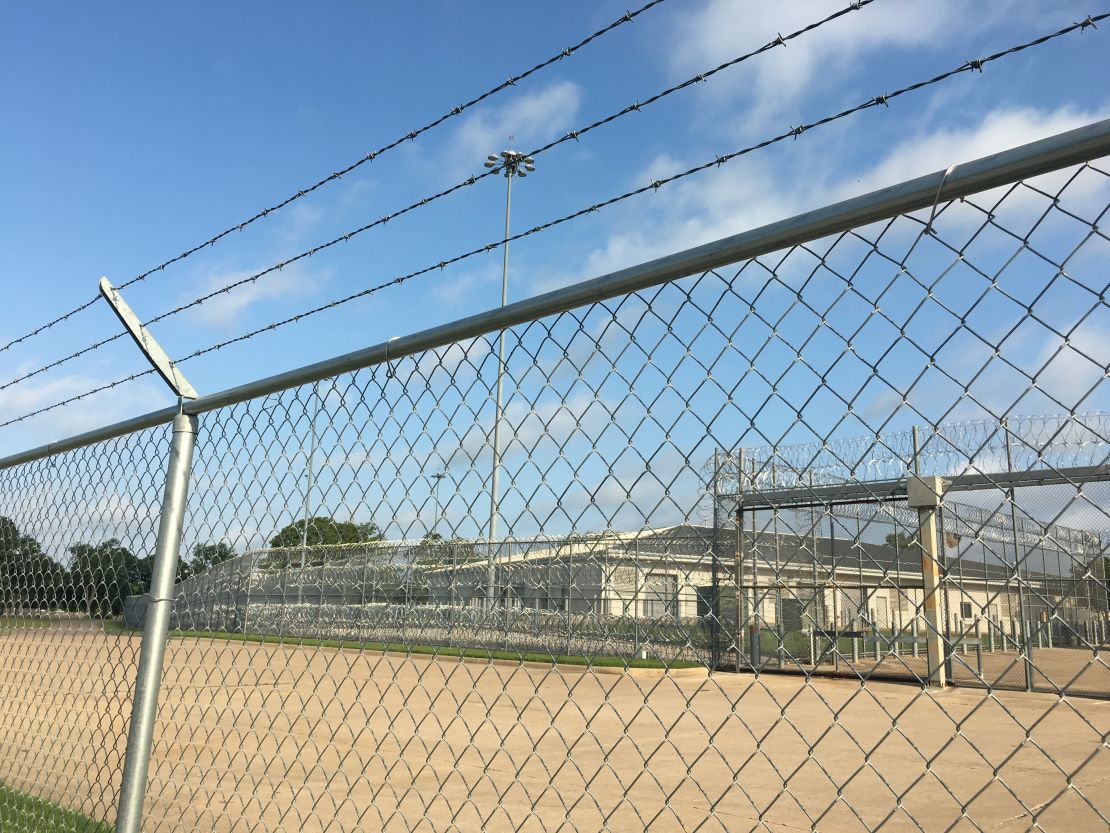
(427, 650)
(27, 814)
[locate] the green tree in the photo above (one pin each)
(206, 556)
(901, 541)
(323, 530)
(104, 574)
(28, 577)
(429, 552)
(436, 551)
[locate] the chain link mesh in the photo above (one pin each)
(712, 563)
(77, 531)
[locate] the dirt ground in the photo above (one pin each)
(267, 737)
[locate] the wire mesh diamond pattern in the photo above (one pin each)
(719, 598)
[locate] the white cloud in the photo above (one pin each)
(356, 193)
(297, 224)
(460, 288)
(998, 130)
(30, 395)
(1068, 372)
(531, 119)
(771, 84)
(99, 409)
(226, 309)
(299, 221)
(743, 195)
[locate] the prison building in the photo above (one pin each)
(847, 574)
(802, 581)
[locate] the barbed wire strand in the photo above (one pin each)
(780, 40)
(654, 185)
(411, 135)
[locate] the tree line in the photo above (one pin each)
(325, 531)
(98, 577)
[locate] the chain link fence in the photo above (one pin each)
(350, 650)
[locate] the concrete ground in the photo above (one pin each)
(268, 737)
(1071, 670)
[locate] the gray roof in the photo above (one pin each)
(694, 541)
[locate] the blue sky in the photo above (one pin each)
(135, 132)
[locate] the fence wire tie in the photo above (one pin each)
(388, 369)
(936, 201)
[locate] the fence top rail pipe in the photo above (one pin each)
(878, 491)
(1054, 153)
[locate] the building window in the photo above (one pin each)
(705, 600)
(965, 610)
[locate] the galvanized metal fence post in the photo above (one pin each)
(715, 576)
(925, 494)
(156, 627)
(1024, 612)
(738, 637)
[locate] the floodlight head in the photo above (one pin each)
(507, 154)
(528, 160)
(490, 164)
(491, 158)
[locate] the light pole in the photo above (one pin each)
(510, 164)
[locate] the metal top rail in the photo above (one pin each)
(877, 491)
(1063, 150)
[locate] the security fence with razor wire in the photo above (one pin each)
(839, 587)
(869, 441)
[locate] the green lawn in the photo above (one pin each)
(22, 813)
(437, 650)
(442, 651)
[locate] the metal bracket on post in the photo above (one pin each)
(153, 351)
(925, 494)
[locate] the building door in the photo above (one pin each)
(660, 596)
(797, 619)
(880, 613)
